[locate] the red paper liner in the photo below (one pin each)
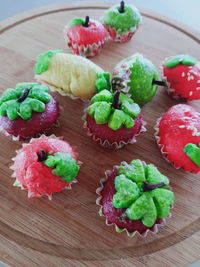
(153, 230)
(106, 143)
(17, 182)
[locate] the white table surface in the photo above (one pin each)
(184, 11)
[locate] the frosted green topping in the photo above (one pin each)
(193, 152)
(24, 100)
(140, 74)
(75, 22)
(64, 165)
(44, 59)
(102, 81)
(122, 22)
(143, 191)
(104, 109)
(181, 60)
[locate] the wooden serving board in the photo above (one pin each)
(68, 231)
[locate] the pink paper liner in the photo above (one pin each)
(18, 184)
(155, 227)
(171, 91)
(106, 143)
(162, 148)
(123, 37)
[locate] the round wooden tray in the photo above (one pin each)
(67, 231)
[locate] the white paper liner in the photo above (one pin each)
(17, 182)
(154, 229)
(121, 36)
(106, 143)
(162, 147)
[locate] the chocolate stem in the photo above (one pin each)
(86, 23)
(115, 103)
(24, 95)
(42, 156)
(148, 186)
(162, 83)
(122, 4)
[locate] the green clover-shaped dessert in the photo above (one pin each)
(62, 164)
(115, 109)
(24, 100)
(143, 191)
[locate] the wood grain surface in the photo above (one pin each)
(67, 231)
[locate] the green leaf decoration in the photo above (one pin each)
(37, 97)
(141, 204)
(63, 165)
(75, 22)
(102, 82)
(43, 61)
(181, 60)
(193, 152)
(103, 110)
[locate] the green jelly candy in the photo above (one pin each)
(163, 200)
(154, 176)
(193, 152)
(104, 95)
(127, 192)
(181, 60)
(124, 98)
(44, 59)
(116, 119)
(102, 81)
(131, 109)
(64, 165)
(143, 209)
(102, 112)
(133, 171)
(129, 122)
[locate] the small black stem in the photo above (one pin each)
(162, 83)
(122, 4)
(42, 156)
(117, 83)
(115, 103)
(24, 95)
(148, 186)
(86, 23)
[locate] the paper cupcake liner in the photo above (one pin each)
(58, 90)
(155, 227)
(120, 35)
(171, 91)
(17, 182)
(106, 143)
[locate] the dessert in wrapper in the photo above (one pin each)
(181, 73)
(112, 118)
(45, 166)
(135, 198)
(85, 37)
(139, 77)
(178, 137)
(121, 21)
(67, 74)
(27, 111)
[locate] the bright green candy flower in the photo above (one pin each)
(181, 60)
(103, 110)
(24, 100)
(44, 59)
(193, 152)
(64, 165)
(102, 81)
(143, 191)
(127, 192)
